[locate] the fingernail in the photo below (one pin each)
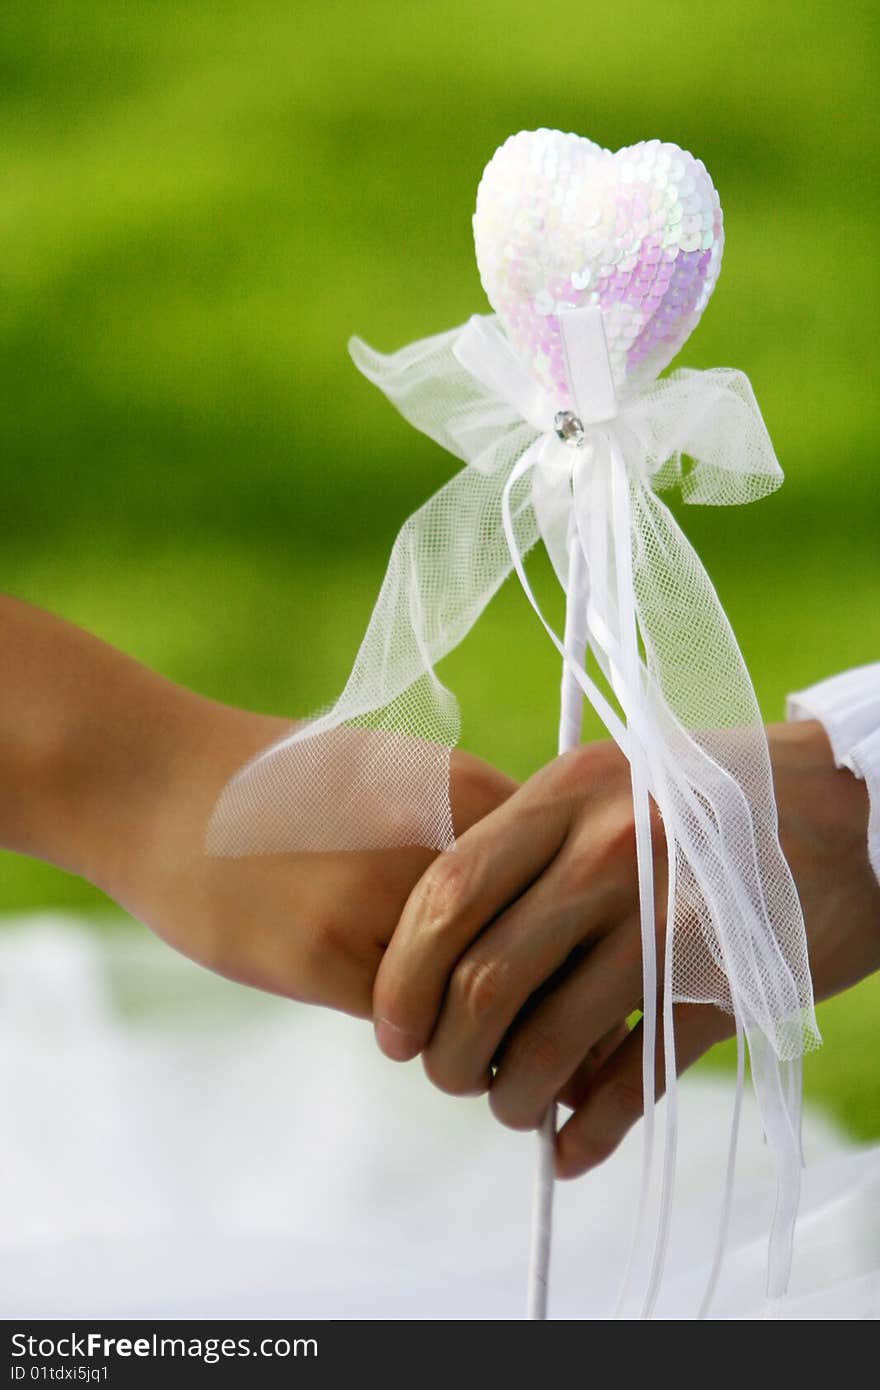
(394, 1042)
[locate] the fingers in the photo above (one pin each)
(533, 948)
(545, 1050)
(581, 801)
(533, 955)
(475, 789)
(462, 891)
(612, 1100)
(576, 1086)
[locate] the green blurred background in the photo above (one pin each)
(200, 203)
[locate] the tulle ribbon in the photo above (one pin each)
(677, 698)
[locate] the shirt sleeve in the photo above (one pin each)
(848, 708)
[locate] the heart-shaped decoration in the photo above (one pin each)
(562, 223)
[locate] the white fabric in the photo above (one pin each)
(864, 761)
(178, 1146)
(848, 707)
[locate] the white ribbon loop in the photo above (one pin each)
(488, 357)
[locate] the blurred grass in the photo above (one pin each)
(201, 203)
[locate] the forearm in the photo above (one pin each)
(111, 772)
(91, 742)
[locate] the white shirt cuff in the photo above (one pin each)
(848, 708)
(864, 761)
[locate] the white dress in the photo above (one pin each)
(177, 1146)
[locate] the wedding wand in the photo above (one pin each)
(597, 265)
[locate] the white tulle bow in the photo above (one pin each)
(373, 769)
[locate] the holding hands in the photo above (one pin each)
(511, 963)
(517, 959)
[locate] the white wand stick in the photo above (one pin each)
(570, 722)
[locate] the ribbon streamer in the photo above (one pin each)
(373, 770)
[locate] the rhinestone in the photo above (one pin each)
(568, 428)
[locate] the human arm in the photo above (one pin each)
(110, 771)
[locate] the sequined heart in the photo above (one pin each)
(561, 223)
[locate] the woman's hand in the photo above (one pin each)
(518, 958)
(111, 772)
(310, 926)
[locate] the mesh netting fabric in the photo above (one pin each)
(373, 771)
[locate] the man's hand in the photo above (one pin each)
(518, 958)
